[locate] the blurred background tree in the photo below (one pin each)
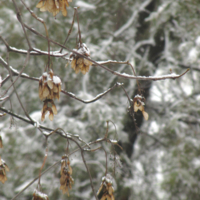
(161, 160)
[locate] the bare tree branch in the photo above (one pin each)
(123, 75)
(22, 24)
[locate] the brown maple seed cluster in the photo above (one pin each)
(49, 89)
(66, 179)
(37, 195)
(50, 107)
(79, 63)
(49, 86)
(138, 104)
(106, 189)
(54, 6)
(3, 169)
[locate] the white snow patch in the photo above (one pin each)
(56, 80)
(154, 127)
(193, 55)
(84, 5)
(36, 116)
(156, 95)
(114, 141)
(196, 162)
(197, 41)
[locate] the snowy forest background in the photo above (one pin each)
(158, 37)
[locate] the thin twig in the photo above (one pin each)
(6, 65)
(63, 134)
(22, 24)
(70, 30)
(123, 75)
(16, 73)
(45, 27)
(45, 157)
(13, 84)
(96, 98)
(79, 31)
(35, 179)
(34, 51)
(88, 171)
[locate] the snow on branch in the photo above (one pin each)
(123, 75)
(38, 52)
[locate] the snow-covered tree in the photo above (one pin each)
(91, 139)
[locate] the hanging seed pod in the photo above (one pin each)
(56, 87)
(50, 107)
(54, 109)
(66, 179)
(54, 6)
(3, 169)
(79, 63)
(37, 195)
(49, 86)
(106, 189)
(138, 104)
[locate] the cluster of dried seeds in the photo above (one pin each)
(106, 189)
(3, 169)
(50, 107)
(54, 6)
(79, 63)
(37, 195)
(49, 86)
(49, 89)
(138, 104)
(66, 179)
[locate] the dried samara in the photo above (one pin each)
(66, 179)
(54, 6)
(49, 89)
(49, 86)
(3, 169)
(106, 189)
(37, 195)
(138, 104)
(79, 63)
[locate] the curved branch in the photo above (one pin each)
(34, 51)
(123, 75)
(62, 134)
(23, 75)
(96, 98)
